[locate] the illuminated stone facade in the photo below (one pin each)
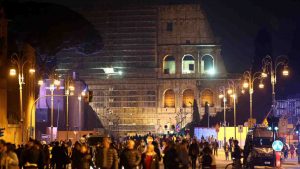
(155, 61)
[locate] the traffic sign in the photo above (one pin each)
(277, 145)
(240, 128)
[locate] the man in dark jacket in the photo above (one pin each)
(171, 160)
(130, 158)
(30, 156)
(107, 156)
(194, 152)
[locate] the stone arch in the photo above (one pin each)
(207, 95)
(169, 64)
(207, 64)
(188, 64)
(169, 98)
(187, 98)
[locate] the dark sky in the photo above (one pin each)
(237, 23)
(248, 30)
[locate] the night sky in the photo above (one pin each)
(248, 30)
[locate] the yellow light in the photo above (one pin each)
(56, 82)
(243, 91)
(40, 82)
(264, 75)
(83, 93)
(221, 96)
(72, 88)
(245, 84)
(31, 70)
(12, 72)
(52, 87)
(229, 91)
(261, 85)
(285, 71)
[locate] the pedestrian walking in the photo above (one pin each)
(216, 147)
(107, 156)
(194, 152)
(183, 155)
(76, 156)
(30, 156)
(226, 150)
(171, 160)
(206, 159)
(86, 158)
(150, 159)
(292, 151)
(9, 158)
(130, 157)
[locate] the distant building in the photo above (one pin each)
(155, 61)
(289, 108)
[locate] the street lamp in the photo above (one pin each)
(69, 89)
(223, 96)
(270, 67)
(249, 79)
(20, 63)
(233, 88)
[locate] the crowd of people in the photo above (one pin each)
(143, 153)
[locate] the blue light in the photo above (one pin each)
(276, 128)
(297, 132)
(269, 128)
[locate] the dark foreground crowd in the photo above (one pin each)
(145, 153)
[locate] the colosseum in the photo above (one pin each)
(155, 60)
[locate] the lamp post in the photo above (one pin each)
(69, 88)
(20, 63)
(270, 67)
(54, 84)
(249, 79)
(79, 112)
(223, 96)
(233, 93)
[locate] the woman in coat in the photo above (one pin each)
(150, 159)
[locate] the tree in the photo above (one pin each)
(196, 115)
(196, 119)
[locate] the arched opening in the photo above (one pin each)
(188, 64)
(169, 65)
(169, 98)
(188, 98)
(207, 64)
(207, 96)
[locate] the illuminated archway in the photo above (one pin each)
(207, 64)
(169, 65)
(169, 98)
(188, 64)
(207, 96)
(188, 98)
